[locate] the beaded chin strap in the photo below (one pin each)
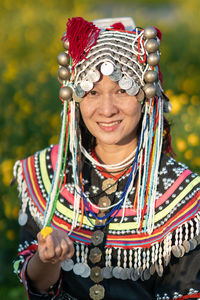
(130, 57)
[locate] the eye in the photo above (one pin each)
(121, 91)
(92, 93)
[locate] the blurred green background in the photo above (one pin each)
(30, 109)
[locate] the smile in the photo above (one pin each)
(109, 124)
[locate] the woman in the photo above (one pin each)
(120, 218)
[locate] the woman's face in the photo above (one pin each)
(110, 114)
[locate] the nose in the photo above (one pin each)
(107, 106)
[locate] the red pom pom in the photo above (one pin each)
(118, 26)
(159, 33)
(82, 35)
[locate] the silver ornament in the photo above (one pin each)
(125, 82)
(153, 59)
(150, 90)
(79, 91)
(86, 85)
(150, 32)
(150, 76)
(133, 90)
(65, 93)
(151, 45)
(66, 44)
(67, 265)
(116, 75)
(64, 73)
(63, 59)
(167, 106)
(93, 75)
(107, 68)
(22, 219)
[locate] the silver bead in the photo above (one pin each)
(167, 106)
(63, 59)
(151, 45)
(65, 93)
(150, 32)
(64, 73)
(66, 44)
(150, 90)
(150, 76)
(153, 59)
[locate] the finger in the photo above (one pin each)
(50, 247)
(71, 250)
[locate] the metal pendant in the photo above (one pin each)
(104, 202)
(86, 85)
(100, 222)
(109, 186)
(135, 275)
(176, 251)
(116, 272)
(22, 219)
(107, 68)
(79, 268)
(186, 246)
(125, 83)
(145, 275)
(152, 269)
(133, 90)
(95, 255)
(116, 75)
(86, 272)
(79, 91)
(159, 269)
(193, 244)
(97, 237)
(93, 75)
(107, 272)
(124, 274)
(67, 265)
(96, 275)
(97, 292)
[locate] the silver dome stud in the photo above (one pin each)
(63, 59)
(150, 32)
(65, 93)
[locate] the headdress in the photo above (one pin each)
(130, 56)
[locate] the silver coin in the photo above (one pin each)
(67, 265)
(182, 249)
(86, 85)
(133, 90)
(124, 274)
(159, 269)
(125, 83)
(152, 269)
(116, 75)
(79, 91)
(107, 68)
(167, 259)
(186, 246)
(135, 275)
(129, 270)
(197, 238)
(146, 274)
(176, 251)
(193, 244)
(116, 272)
(79, 268)
(86, 272)
(107, 272)
(22, 219)
(93, 75)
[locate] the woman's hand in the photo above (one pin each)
(55, 248)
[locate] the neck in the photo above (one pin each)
(113, 154)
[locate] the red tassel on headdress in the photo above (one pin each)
(159, 33)
(118, 26)
(82, 35)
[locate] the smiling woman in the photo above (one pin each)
(108, 213)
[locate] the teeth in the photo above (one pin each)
(110, 124)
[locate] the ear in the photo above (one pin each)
(140, 96)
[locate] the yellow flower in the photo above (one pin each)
(176, 105)
(188, 154)
(10, 235)
(193, 139)
(6, 169)
(46, 231)
(181, 144)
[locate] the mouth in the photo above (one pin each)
(110, 124)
